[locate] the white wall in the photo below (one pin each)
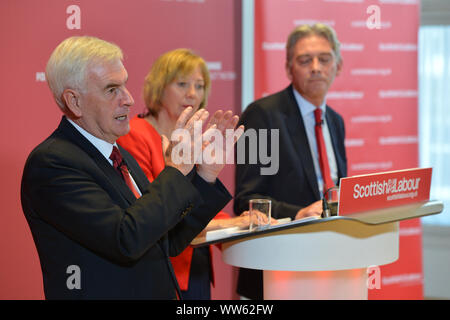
(436, 261)
(436, 239)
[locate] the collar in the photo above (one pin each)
(103, 146)
(307, 107)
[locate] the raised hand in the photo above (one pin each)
(210, 150)
(218, 144)
(179, 152)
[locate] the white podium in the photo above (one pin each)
(291, 258)
(322, 258)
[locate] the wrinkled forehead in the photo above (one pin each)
(107, 71)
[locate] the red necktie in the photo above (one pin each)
(121, 167)
(323, 158)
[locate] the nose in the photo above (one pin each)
(191, 91)
(315, 65)
(127, 98)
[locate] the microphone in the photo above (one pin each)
(330, 201)
(326, 213)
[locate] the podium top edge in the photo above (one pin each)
(373, 217)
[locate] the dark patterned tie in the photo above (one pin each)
(121, 167)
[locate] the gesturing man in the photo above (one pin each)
(88, 203)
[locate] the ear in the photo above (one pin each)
(339, 67)
(72, 99)
(288, 71)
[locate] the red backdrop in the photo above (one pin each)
(376, 93)
(31, 29)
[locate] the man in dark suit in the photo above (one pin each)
(313, 61)
(102, 233)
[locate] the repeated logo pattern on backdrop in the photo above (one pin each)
(376, 93)
(31, 29)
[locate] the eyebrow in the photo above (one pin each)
(114, 84)
(110, 85)
(184, 78)
(310, 55)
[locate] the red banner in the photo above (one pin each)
(376, 93)
(144, 30)
(383, 190)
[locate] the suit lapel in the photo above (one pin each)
(332, 127)
(297, 131)
(111, 174)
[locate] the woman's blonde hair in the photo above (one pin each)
(66, 68)
(167, 68)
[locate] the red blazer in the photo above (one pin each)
(144, 144)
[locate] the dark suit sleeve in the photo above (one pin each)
(214, 198)
(250, 182)
(342, 156)
(79, 201)
(336, 126)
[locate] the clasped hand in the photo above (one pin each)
(209, 150)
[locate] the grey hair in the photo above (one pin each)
(66, 68)
(317, 29)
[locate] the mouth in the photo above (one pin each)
(122, 117)
(187, 106)
(317, 80)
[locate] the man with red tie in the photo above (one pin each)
(101, 229)
(312, 154)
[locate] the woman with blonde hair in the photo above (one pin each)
(177, 80)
